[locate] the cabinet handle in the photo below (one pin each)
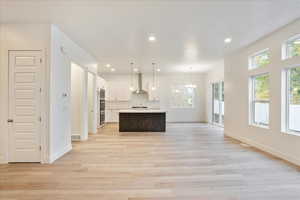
(10, 120)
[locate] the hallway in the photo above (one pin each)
(188, 162)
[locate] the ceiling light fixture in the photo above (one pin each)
(108, 65)
(131, 87)
(154, 78)
(152, 38)
(112, 69)
(228, 40)
(190, 83)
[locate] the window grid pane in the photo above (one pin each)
(260, 60)
(293, 47)
(261, 100)
(294, 99)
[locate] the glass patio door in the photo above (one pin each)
(218, 103)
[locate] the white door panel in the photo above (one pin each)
(24, 106)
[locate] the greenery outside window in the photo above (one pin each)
(260, 100)
(292, 47)
(259, 59)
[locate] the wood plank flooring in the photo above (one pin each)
(188, 162)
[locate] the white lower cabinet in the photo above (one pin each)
(112, 115)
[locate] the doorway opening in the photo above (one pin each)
(78, 103)
(83, 102)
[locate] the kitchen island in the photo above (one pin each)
(142, 120)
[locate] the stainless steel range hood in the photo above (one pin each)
(140, 85)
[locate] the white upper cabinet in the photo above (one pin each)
(118, 92)
(101, 83)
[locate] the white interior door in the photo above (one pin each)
(24, 106)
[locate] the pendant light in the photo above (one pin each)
(131, 88)
(189, 81)
(153, 77)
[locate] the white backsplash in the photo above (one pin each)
(135, 100)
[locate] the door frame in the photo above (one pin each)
(94, 114)
(84, 134)
(44, 104)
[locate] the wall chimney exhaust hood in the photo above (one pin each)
(140, 85)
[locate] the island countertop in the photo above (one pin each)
(143, 111)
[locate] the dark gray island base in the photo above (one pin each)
(139, 121)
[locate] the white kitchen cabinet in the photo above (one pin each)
(115, 115)
(118, 92)
(112, 115)
(101, 83)
(107, 115)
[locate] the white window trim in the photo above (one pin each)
(286, 102)
(252, 102)
(284, 50)
(250, 58)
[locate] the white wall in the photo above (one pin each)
(63, 52)
(213, 76)
(196, 114)
(272, 140)
(20, 37)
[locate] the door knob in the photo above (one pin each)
(10, 120)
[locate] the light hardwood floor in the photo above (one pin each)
(188, 162)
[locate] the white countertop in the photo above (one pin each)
(143, 111)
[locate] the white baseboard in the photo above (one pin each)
(266, 149)
(60, 154)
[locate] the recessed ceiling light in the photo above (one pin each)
(158, 70)
(108, 65)
(152, 38)
(228, 40)
(112, 69)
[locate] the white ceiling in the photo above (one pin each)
(189, 33)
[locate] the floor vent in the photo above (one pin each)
(75, 137)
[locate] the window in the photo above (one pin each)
(260, 100)
(182, 96)
(293, 100)
(292, 47)
(218, 103)
(260, 59)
